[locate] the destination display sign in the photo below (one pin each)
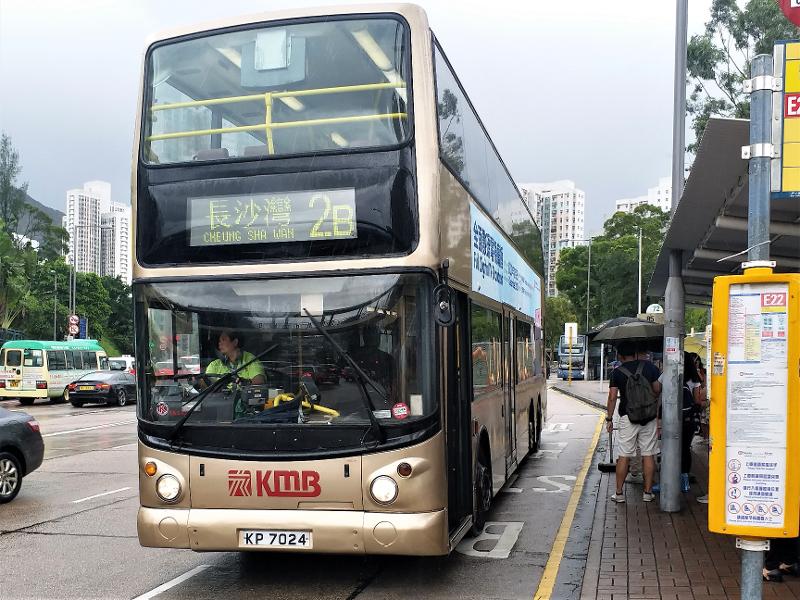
(273, 217)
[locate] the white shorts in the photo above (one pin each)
(632, 435)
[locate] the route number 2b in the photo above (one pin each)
(336, 221)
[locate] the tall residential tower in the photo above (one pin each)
(558, 208)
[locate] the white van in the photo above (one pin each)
(122, 363)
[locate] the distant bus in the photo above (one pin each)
(317, 185)
(571, 357)
(33, 369)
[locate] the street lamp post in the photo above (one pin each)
(588, 287)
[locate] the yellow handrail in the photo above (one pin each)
(269, 124)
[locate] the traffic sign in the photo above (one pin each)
(73, 319)
(73, 329)
(791, 8)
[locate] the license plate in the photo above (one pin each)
(274, 539)
(86, 388)
(13, 384)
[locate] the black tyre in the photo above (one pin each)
(77, 403)
(26, 401)
(10, 477)
(483, 494)
(535, 432)
(64, 397)
(122, 397)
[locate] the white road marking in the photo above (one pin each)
(554, 427)
(550, 450)
(505, 540)
(98, 495)
(172, 583)
(88, 428)
(560, 487)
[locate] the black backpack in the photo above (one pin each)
(641, 401)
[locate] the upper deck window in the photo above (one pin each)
(277, 91)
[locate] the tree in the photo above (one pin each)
(615, 265)
(92, 302)
(559, 310)
(12, 195)
(15, 266)
(119, 329)
(718, 61)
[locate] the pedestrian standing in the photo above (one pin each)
(636, 383)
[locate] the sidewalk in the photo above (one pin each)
(638, 552)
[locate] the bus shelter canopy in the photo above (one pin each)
(710, 222)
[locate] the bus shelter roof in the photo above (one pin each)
(710, 222)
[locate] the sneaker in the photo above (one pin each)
(618, 498)
(648, 496)
(684, 482)
(703, 499)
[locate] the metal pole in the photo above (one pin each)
(757, 234)
(586, 337)
(640, 273)
(671, 394)
(569, 360)
(55, 302)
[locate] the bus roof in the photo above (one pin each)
(50, 345)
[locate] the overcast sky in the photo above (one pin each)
(577, 90)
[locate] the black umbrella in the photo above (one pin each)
(634, 331)
(610, 323)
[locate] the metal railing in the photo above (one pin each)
(269, 125)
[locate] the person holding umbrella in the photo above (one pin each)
(636, 383)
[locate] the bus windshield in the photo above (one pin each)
(380, 321)
(277, 90)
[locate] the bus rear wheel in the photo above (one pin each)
(26, 401)
(483, 494)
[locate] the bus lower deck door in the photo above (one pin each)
(509, 395)
(458, 385)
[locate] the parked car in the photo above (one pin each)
(122, 363)
(22, 451)
(107, 387)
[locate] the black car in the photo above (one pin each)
(106, 387)
(22, 451)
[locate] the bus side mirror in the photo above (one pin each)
(443, 305)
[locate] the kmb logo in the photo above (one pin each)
(303, 484)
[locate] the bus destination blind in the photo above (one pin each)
(306, 215)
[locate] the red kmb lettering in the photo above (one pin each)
(304, 484)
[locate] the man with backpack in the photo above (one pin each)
(636, 382)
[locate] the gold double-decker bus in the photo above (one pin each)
(338, 301)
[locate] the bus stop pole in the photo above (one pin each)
(671, 393)
(758, 249)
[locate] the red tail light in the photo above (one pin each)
(103, 386)
(72, 387)
(2, 384)
(34, 425)
(308, 374)
(41, 385)
(132, 371)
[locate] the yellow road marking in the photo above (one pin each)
(557, 551)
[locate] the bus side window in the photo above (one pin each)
(77, 357)
(486, 363)
(56, 360)
(89, 360)
(70, 361)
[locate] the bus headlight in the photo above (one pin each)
(168, 488)
(383, 489)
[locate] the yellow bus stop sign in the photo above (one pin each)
(754, 468)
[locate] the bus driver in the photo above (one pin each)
(234, 357)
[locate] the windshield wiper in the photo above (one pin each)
(211, 388)
(363, 379)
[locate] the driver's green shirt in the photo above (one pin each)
(251, 371)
